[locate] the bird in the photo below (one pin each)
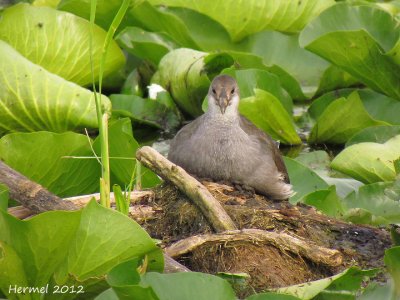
(223, 145)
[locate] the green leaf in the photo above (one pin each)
(326, 201)
(12, 273)
(341, 120)
(204, 286)
(146, 45)
(369, 162)
(303, 179)
(122, 149)
(78, 247)
(355, 38)
(4, 197)
(146, 111)
(105, 10)
(124, 280)
(41, 156)
(251, 79)
(392, 262)
(267, 113)
(334, 78)
(272, 296)
(319, 162)
(150, 18)
(41, 100)
(376, 204)
(342, 283)
(185, 73)
(375, 134)
(283, 56)
(283, 16)
(58, 41)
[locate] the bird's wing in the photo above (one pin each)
(267, 142)
(182, 137)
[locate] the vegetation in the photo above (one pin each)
(315, 72)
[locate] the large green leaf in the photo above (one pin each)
(355, 39)
(105, 10)
(280, 51)
(376, 134)
(279, 15)
(251, 79)
(41, 156)
(376, 204)
(326, 201)
(127, 283)
(319, 162)
(303, 179)
(147, 45)
(74, 248)
(369, 162)
(58, 41)
(185, 73)
(33, 99)
(151, 112)
(267, 113)
(378, 106)
(339, 286)
(341, 120)
(392, 262)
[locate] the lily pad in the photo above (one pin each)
(375, 204)
(341, 120)
(343, 283)
(283, 16)
(303, 179)
(251, 79)
(78, 247)
(376, 134)
(326, 201)
(355, 39)
(267, 113)
(33, 99)
(127, 284)
(184, 72)
(59, 42)
(146, 45)
(145, 111)
(369, 162)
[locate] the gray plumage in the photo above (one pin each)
(223, 145)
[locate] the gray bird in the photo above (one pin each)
(223, 145)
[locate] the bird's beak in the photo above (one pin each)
(223, 101)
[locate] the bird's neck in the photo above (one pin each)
(228, 118)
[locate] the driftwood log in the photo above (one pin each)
(213, 227)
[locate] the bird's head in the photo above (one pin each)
(223, 95)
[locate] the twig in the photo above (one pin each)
(209, 206)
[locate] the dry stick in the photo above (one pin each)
(209, 206)
(136, 212)
(281, 240)
(30, 194)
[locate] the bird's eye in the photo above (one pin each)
(233, 91)
(213, 90)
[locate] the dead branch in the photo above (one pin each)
(209, 206)
(280, 240)
(30, 194)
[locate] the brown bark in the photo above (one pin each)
(30, 194)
